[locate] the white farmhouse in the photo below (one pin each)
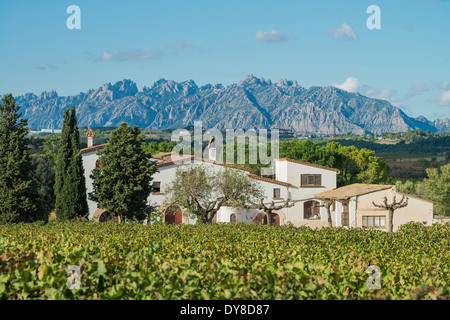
(293, 179)
(310, 184)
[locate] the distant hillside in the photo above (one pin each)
(250, 103)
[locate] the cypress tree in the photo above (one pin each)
(70, 186)
(18, 191)
(122, 182)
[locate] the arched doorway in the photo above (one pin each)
(311, 209)
(173, 217)
(105, 217)
(233, 218)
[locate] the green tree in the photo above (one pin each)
(70, 185)
(44, 175)
(361, 165)
(51, 147)
(155, 147)
(203, 191)
(437, 188)
(122, 182)
(18, 190)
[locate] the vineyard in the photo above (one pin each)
(221, 261)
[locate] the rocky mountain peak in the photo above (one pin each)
(251, 103)
(283, 82)
(48, 95)
(251, 80)
(163, 86)
(124, 88)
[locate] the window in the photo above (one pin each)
(311, 210)
(276, 193)
(156, 187)
(308, 180)
(374, 221)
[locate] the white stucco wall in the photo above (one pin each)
(285, 171)
(417, 210)
(89, 160)
(291, 172)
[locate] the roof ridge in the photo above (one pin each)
(308, 164)
(93, 148)
(335, 193)
(256, 177)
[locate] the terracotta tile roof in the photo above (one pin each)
(163, 156)
(94, 148)
(165, 159)
(228, 165)
(89, 132)
(308, 164)
(168, 162)
(281, 183)
(352, 190)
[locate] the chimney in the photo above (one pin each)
(212, 149)
(90, 137)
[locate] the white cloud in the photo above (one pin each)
(352, 84)
(272, 36)
(132, 55)
(416, 90)
(444, 99)
(444, 85)
(388, 94)
(344, 31)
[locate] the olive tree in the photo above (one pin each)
(202, 191)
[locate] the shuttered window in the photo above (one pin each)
(156, 186)
(276, 193)
(311, 180)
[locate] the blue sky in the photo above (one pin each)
(317, 43)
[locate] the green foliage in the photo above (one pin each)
(431, 145)
(18, 190)
(437, 188)
(222, 261)
(44, 175)
(155, 148)
(51, 147)
(202, 191)
(361, 165)
(411, 186)
(70, 186)
(122, 183)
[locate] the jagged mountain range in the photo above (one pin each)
(250, 103)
